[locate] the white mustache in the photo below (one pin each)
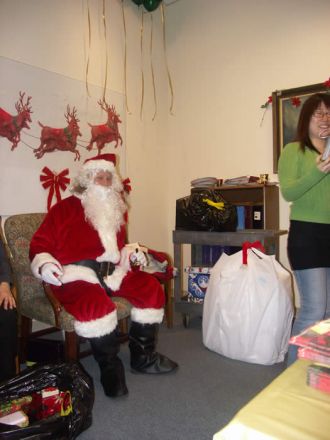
(100, 192)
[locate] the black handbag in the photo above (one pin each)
(205, 210)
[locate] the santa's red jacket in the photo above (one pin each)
(66, 237)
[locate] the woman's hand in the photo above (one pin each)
(323, 165)
(7, 301)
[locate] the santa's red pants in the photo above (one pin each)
(95, 312)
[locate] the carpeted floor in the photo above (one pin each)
(192, 403)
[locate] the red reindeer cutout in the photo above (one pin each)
(63, 139)
(108, 132)
(11, 126)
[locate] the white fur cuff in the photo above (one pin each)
(147, 316)
(41, 259)
(74, 272)
(97, 327)
(114, 281)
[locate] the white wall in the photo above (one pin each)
(225, 58)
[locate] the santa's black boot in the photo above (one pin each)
(105, 350)
(144, 358)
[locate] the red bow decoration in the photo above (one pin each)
(269, 101)
(55, 182)
(327, 83)
(127, 186)
(248, 245)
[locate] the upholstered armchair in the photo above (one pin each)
(35, 300)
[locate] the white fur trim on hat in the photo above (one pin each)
(39, 260)
(99, 165)
(97, 327)
(147, 316)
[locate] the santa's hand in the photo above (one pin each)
(138, 258)
(50, 273)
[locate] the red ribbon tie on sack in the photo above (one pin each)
(248, 245)
(55, 182)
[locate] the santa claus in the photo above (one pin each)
(80, 248)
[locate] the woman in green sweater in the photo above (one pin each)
(304, 178)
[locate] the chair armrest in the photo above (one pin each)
(56, 305)
(161, 275)
(13, 290)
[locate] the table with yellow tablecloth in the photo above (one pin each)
(287, 409)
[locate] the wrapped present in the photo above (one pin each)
(198, 279)
(17, 418)
(318, 377)
(14, 405)
(48, 402)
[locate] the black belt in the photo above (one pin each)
(102, 270)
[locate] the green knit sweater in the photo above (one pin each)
(302, 184)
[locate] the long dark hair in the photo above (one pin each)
(307, 110)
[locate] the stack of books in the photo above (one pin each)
(314, 344)
(204, 182)
(207, 255)
(250, 216)
(241, 180)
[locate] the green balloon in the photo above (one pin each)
(137, 2)
(151, 5)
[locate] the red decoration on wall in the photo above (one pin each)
(265, 106)
(127, 185)
(55, 182)
(63, 139)
(108, 132)
(269, 101)
(11, 126)
(295, 101)
(327, 83)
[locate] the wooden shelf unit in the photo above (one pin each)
(265, 196)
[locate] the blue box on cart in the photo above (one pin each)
(198, 278)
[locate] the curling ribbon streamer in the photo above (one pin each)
(106, 51)
(55, 182)
(217, 205)
(168, 71)
(142, 74)
(152, 68)
(125, 58)
(89, 46)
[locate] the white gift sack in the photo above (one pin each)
(248, 308)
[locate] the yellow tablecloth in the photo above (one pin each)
(287, 409)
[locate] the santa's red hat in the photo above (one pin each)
(92, 165)
(105, 162)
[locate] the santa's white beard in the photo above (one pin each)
(104, 209)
